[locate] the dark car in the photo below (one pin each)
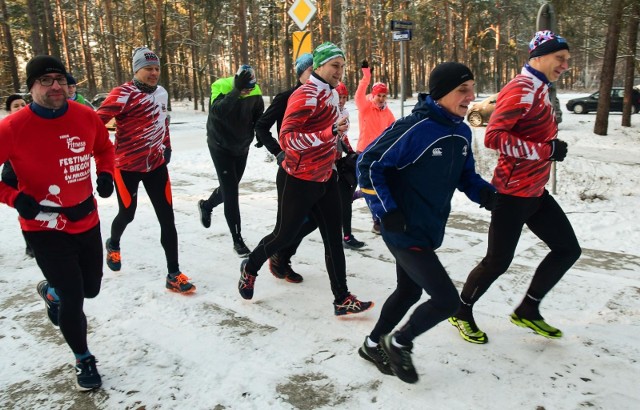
(480, 112)
(98, 99)
(589, 103)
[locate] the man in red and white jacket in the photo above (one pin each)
(306, 181)
(523, 129)
(143, 151)
(50, 144)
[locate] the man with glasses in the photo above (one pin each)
(50, 144)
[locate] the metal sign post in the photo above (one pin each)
(401, 31)
(546, 20)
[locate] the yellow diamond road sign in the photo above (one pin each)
(301, 12)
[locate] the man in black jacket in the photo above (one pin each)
(236, 105)
(280, 262)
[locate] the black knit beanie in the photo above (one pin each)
(41, 65)
(447, 76)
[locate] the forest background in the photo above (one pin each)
(199, 41)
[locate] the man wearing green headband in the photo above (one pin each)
(306, 181)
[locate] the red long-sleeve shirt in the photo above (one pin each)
(520, 129)
(306, 134)
(51, 158)
(142, 126)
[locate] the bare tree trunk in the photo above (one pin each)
(194, 58)
(8, 39)
(54, 46)
(63, 27)
(34, 21)
(608, 67)
(632, 43)
(242, 26)
(117, 68)
(81, 13)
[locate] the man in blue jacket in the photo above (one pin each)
(408, 176)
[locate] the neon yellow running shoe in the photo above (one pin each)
(469, 330)
(539, 326)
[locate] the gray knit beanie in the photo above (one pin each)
(143, 57)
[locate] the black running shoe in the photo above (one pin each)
(87, 374)
(351, 305)
(205, 216)
(114, 261)
(281, 269)
(180, 284)
(376, 356)
(53, 306)
(399, 359)
(350, 242)
(240, 248)
(246, 282)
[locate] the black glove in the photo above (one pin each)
(280, 157)
(167, 155)
(488, 198)
(27, 206)
(394, 221)
(558, 150)
(104, 185)
(242, 80)
(365, 64)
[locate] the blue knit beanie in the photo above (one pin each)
(303, 62)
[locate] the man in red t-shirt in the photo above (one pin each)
(523, 129)
(50, 144)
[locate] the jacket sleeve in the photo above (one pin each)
(471, 183)
(8, 193)
(112, 105)
(360, 96)
(511, 106)
(392, 150)
(9, 175)
(274, 112)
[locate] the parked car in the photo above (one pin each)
(589, 103)
(97, 101)
(480, 112)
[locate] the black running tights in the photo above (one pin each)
(547, 221)
(72, 264)
(417, 270)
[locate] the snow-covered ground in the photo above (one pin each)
(285, 348)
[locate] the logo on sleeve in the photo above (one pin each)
(437, 152)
